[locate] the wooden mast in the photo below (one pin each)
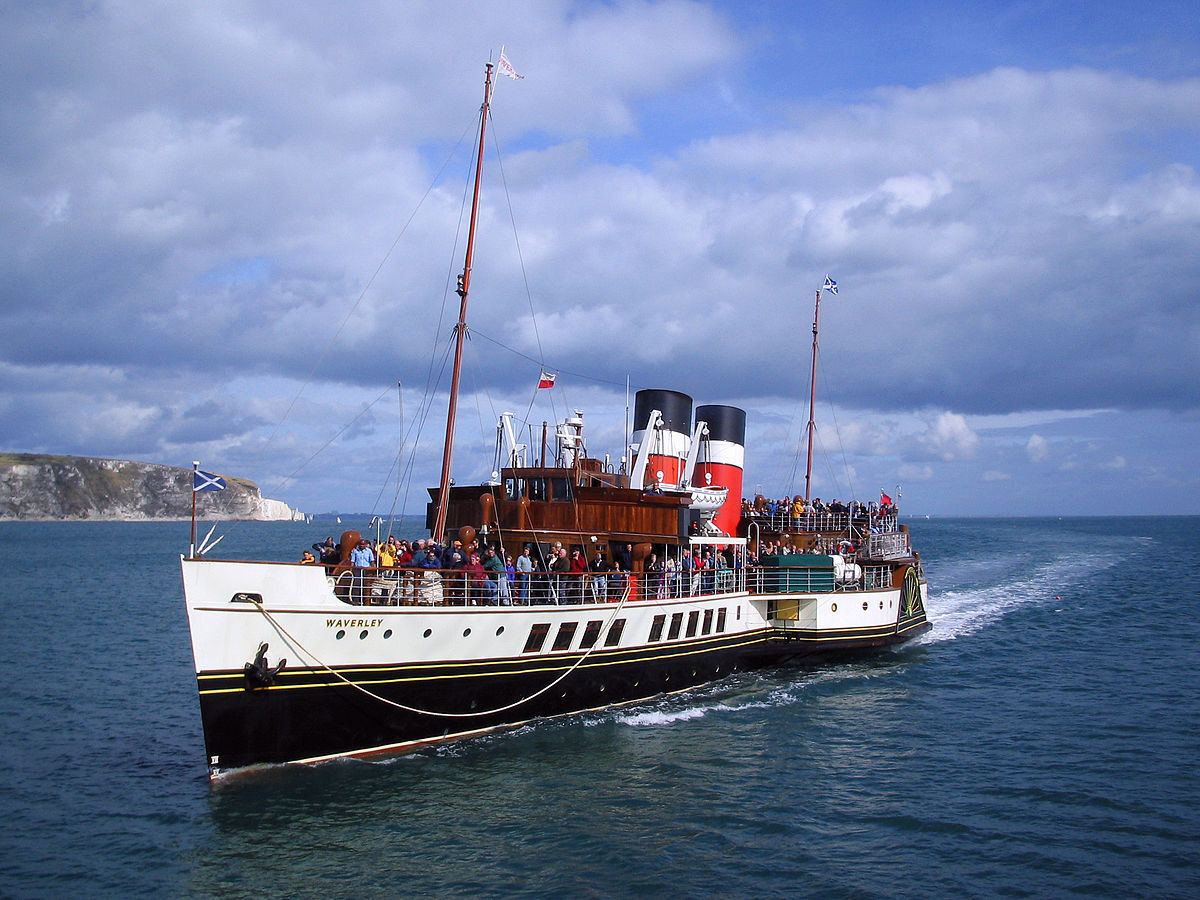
(464, 286)
(812, 403)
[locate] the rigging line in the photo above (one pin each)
(517, 241)
(513, 350)
(287, 636)
(362, 294)
(430, 380)
(339, 433)
(424, 409)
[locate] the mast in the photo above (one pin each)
(812, 403)
(460, 330)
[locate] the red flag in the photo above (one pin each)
(546, 381)
(885, 499)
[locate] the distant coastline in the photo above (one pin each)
(36, 487)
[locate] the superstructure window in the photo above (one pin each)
(590, 634)
(676, 624)
(537, 637)
(721, 619)
(614, 633)
(707, 622)
(656, 628)
(693, 621)
(566, 633)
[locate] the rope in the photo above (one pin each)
(296, 645)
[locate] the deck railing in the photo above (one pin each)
(443, 587)
(860, 523)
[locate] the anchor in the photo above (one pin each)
(259, 674)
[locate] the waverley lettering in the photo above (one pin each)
(352, 623)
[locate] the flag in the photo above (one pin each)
(207, 481)
(546, 381)
(830, 285)
(884, 499)
(506, 67)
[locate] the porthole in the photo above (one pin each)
(428, 632)
(602, 688)
(881, 604)
(362, 636)
(833, 607)
(500, 631)
(865, 604)
(466, 632)
(387, 634)
(340, 635)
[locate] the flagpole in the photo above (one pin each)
(812, 404)
(192, 538)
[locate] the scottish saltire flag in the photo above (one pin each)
(506, 67)
(830, 285)
(547, 380)
(207, 481)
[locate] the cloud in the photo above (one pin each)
(211, 211)
(949, 437)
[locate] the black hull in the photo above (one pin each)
(310, 715)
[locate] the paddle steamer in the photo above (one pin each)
(680, 583)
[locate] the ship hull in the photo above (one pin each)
(387, 679)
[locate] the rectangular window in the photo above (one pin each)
(566, 633)
(561, 488)
(707, 629)
(693, 621)
(721, 619)
(537, 637)
(614, 633)
(676, 624)
(590, 634)
(656, 628)
(538, 489)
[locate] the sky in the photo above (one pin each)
(232, 231)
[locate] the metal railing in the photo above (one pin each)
(860, 523)
(447, 587)
(454, 587)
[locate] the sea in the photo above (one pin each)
(1041, 741)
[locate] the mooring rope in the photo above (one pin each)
(296, 645)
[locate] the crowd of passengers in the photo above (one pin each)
(872, 512)
(447, 572)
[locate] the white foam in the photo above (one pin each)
(956, 614)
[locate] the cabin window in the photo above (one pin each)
(590, 634)
(676, 624)
(512, 488)
(721, 619)
(656, 628)
(562, 488)
(707, 629)
(693, 621)
(538, 489)
(566, 633)
(614, 633)
(537, 637)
